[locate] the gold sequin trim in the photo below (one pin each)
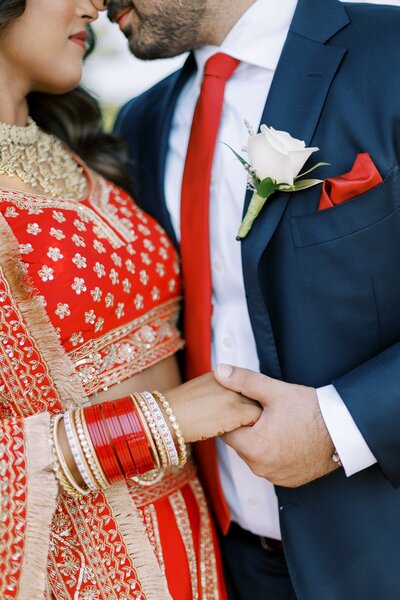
(24, 201)
(208, 567)
(153, 531)
(178, 505)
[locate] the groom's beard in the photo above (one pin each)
(162, 28)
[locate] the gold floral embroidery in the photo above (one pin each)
(54, 254)
(35, 203)
(19, 353)
(99, 200)
(46, 273)
(87, 554)
(62, 310)
(126, 350)
(79, 285)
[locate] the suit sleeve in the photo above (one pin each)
(371, 393)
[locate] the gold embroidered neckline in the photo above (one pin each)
(41, 160)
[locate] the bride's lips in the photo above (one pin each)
(79, 38)
(123, 17)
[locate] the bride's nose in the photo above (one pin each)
(100, 4)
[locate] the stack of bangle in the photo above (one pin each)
(175, 426)
(117, 440)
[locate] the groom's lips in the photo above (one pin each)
(123, 17)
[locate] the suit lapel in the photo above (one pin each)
(295, 101)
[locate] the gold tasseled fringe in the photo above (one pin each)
(137, 542)
(68, 384)
(41, 504)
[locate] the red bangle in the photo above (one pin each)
(102, 444)
(92, 415)
(121, 408)
(119, 440)
(134, 434)
(118, 473)
(146, 462)
(147, 458)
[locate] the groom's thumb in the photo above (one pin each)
(249, 383)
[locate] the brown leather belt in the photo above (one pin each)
(270, 545)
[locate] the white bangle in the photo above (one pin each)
(175, 426)
(163, 428)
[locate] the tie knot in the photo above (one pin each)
(221, 65)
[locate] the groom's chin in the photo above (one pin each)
(148, 50)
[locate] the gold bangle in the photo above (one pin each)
(149, 437)
(63, 463)
(163, 429)
(89, 451)
(156, 475)
(77, 451)
(64, 484)
(147, 413)
(175, 426)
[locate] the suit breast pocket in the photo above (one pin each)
(349, 260)
(350, 217)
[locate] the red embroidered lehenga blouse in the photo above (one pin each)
(89, 296)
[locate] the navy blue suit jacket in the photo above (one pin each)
(323, 288)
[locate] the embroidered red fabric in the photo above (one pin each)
(109, 277)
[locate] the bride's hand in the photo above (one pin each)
(204, 409)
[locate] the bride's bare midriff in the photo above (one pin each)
(161, 376)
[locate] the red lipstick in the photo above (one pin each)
(79, 38)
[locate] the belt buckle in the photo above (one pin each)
(268, 547)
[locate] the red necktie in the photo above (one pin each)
(195, 251)
(195, 233)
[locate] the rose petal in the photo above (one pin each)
(299, 158)
(265, 160)
(288, 142)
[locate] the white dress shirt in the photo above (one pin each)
(257, 41)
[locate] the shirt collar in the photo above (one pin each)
(257, 38)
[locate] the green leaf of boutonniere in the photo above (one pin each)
(321, 164)
(266, 187)
(240, 158)
(304, 184)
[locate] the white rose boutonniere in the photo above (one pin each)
(275, 162)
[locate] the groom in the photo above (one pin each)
(307, 306)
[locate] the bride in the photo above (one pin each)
(99, 497)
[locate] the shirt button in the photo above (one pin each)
(252, 501)
(218, 265)
(227, 341)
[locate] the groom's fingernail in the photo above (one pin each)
(224, 371)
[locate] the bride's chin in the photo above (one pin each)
(60, 85)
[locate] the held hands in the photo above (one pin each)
(205, 409)
(289, 444)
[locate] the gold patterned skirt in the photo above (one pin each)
(88, 559)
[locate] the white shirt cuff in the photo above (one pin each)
(352, 448)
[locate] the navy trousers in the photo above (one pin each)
(251, 571)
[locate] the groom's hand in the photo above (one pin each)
(290, 444)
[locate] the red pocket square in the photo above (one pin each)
(362, 178)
